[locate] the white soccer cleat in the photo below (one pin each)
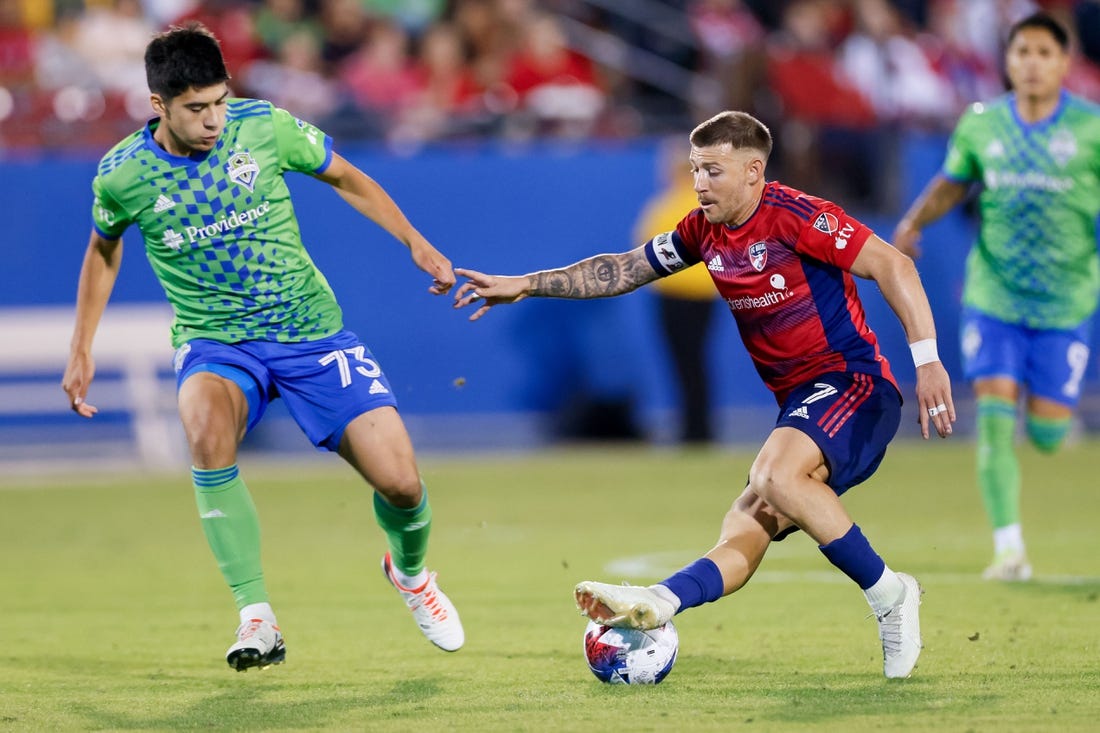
(624, 606)
(259, 644)
(899, 630)
(431, 609)
(1010, 567)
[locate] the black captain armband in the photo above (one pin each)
(666, 253)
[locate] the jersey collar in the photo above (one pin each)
(1063, 96)
(154, 146)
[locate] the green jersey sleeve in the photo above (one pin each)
(961, 163)
(109, 218)
(302, 147)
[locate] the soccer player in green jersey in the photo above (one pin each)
(254, 318)
(1033, 276)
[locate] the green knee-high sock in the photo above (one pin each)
(406, 531)
(998, 466)
(232, 528)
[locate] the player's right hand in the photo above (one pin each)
(488, 290)
(78, 377)
(432, 261)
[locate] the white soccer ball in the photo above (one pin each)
(629, 656)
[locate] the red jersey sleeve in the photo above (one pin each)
(690, 231)
(832, 237)
(671, 252)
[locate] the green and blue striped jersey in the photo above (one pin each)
(220, 229)
(1035, 262)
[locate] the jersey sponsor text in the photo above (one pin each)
(227, 223)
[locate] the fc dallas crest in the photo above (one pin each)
(758, 255)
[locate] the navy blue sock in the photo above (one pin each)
(854, 556)
(698, 583)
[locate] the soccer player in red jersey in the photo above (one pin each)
(784, 263)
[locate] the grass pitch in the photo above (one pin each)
(113, 615)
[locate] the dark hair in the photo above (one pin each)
(739, 129)
(182, 58)
(1042, 21)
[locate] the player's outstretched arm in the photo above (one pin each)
(939, 196)
(602, 276)
(897, 278)
(368, 198)
(97, 280)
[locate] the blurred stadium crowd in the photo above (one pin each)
(834, 77)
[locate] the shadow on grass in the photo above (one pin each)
(278, 707)
(792, 698)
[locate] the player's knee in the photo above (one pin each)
(766, 479)
(212, 438)
(1047, 435)
(402, 489)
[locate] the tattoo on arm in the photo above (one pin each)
(601, 276)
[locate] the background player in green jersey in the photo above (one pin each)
(254, 319)
(1033, 276)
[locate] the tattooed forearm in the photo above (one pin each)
(601, 276)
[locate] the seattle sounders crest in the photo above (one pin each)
(242, 169)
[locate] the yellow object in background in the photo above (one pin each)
(662, 214)
(37, 14)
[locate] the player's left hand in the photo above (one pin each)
(495, 289)
(934, 403)
(432, 261)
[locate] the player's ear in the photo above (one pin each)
(755, 171)
(159, 105)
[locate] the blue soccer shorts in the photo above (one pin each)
(1049, 363)
(325, 384)
(851, 417)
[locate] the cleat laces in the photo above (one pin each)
(427, 599)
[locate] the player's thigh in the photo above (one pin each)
(1055, 368)
(849, 417)
(991, 348)
(377, 445)
(786, 454)
(327, 384)
(214, 413)
(223, 391)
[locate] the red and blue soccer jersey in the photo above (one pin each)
(785, 275)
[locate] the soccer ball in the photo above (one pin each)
(629, 656)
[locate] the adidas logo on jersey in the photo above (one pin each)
(163, 204)
(800, 412)
(376, 387)
(715, 264)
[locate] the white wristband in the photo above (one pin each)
(924, 352)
